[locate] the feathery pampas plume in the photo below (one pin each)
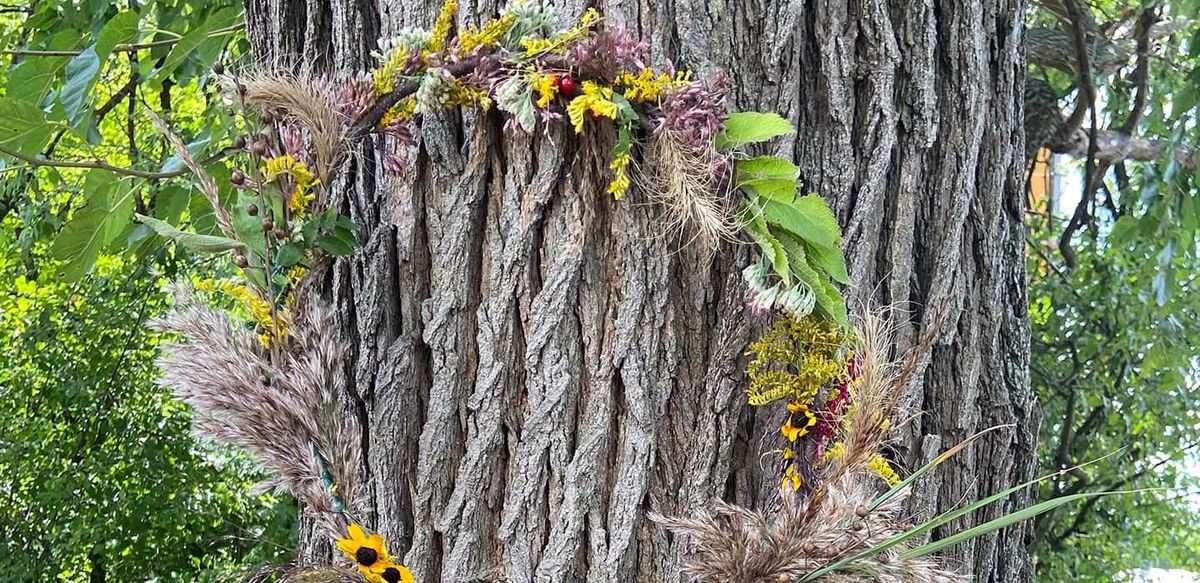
(834, 520)
(283, 410)
(204, 180)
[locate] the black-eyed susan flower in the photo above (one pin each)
(367, 552)
(394, 574)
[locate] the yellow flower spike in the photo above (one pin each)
(441, 26)
(883, 469)
(367, 551)
(595, 99)
(486, 37)
(620, 182)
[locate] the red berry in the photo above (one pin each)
(567, 85)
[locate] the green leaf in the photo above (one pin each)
(833, 304)
(23, 126)
(766, 168)
(249, 229)
(194, 241)
(336, 246)
(191, 41)
(82, 71)
(748, 127)
(808, 217)
(771, 246)
(777, 189)
(831, 261)
(289, 255)
(31, 80)
(103, 217)
(120, 29)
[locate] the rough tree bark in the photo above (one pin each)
(538, 370)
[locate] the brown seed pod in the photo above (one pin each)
(239, 142)
(237, 178)
(268, 225)
(241, 261)
(259, 148)
(218, 68)
(268, 117)
(862, 511)
(280, 233)
(252, 210)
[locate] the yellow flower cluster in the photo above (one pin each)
(384, 78)
(486, 37)
(558, 43)
(463, 94)
(883, 469)
(809, 347)
(404, 109)
(791, 474)
(257, 309)
(441, 26)
(596, 99)
(303, 178)
(835, 451)
(371, 557)
(547, 87)
(620, 182)
(648, 86)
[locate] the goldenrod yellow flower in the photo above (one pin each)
(547, 88)
(441, 26)
(301, 176)
(367, 552)
(883, 469)
(595, 99)
(648, 86)
(620, 182)
(486, 37)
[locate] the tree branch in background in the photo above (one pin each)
(1087, 95)
(101, 165)
(119, 48)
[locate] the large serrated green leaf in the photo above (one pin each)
(119, 29)
(194, 241)
(766, 167)
(748, 127)
(23, 126)
(103, 217)
(830, 261)
(830, 300)
(807, 217)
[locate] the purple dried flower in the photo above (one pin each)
(609, 51)
(292, 138)
(354, 96)
(694, 113)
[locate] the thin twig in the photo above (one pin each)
(119, 48)
(101, 165)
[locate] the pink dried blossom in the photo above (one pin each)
(609, 51)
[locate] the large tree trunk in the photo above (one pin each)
(539, 370)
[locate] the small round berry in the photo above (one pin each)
(252, 210)
(218, 68)
(268, 117)
(567, 85)
(260, 148)
(280, 233)
(239, 142)
(268, 225)
(861, 511)
(237, 178)
(241, 261)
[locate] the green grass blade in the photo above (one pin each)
(932, 464)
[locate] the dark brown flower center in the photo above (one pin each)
(366, 556)
(391, 575)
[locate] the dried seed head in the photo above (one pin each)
(239, 142)
(218, 68)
